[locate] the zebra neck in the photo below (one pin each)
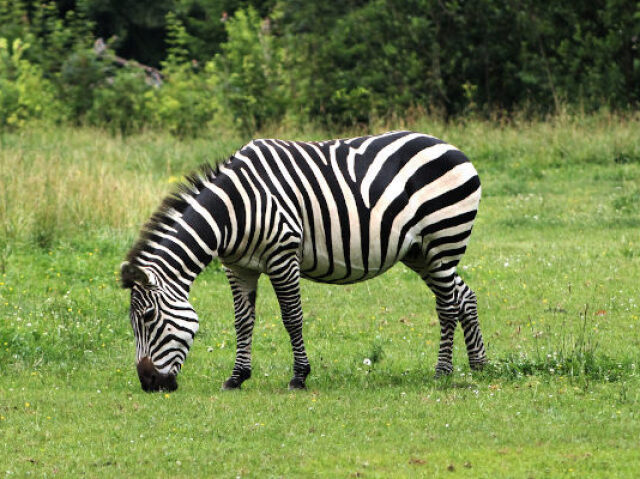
(190, 228)
(178, 249)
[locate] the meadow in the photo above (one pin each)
(554, 260)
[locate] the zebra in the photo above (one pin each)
(336, 211)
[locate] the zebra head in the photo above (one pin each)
(164, 324)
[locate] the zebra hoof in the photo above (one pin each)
(237, 378)
(232, 384)
(297, 383)
(442, 372)
(478, 365)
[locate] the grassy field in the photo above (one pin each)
(554, 259)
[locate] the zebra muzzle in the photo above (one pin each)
(152, 380)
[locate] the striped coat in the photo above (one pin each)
(338, 211)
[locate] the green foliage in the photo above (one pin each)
(14, 22)
(355, 66)
(185, 104)
(120, 103)
(486, 56)
(80, 75)
(335, 63)
(56, 36)
(177, 41)
(57, 52)
(24, 92)
(202, 22)
(247, 72)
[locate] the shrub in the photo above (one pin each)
(80, 75)
(120, 102)
(24, 92)
(184, 104)
(246, 72)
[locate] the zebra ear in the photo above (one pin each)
(131, 274)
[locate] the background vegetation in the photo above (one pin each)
(231, 64)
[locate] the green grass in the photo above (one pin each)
(554, 259)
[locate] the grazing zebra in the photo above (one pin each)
(338, 211)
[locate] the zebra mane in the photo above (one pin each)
(174, 203)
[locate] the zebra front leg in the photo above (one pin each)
(468, 305)
(285, 279)
(244, 285)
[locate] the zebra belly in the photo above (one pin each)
(356, 276)
(364, 262)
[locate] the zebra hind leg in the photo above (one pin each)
(443, 286)
(447, 315)
(243, 287)
(468, 306)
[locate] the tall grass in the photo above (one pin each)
(63, 182)
(60, 182)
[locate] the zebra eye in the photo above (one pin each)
(148, 315)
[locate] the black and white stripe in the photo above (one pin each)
(338, 211)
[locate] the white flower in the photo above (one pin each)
(367, 362)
